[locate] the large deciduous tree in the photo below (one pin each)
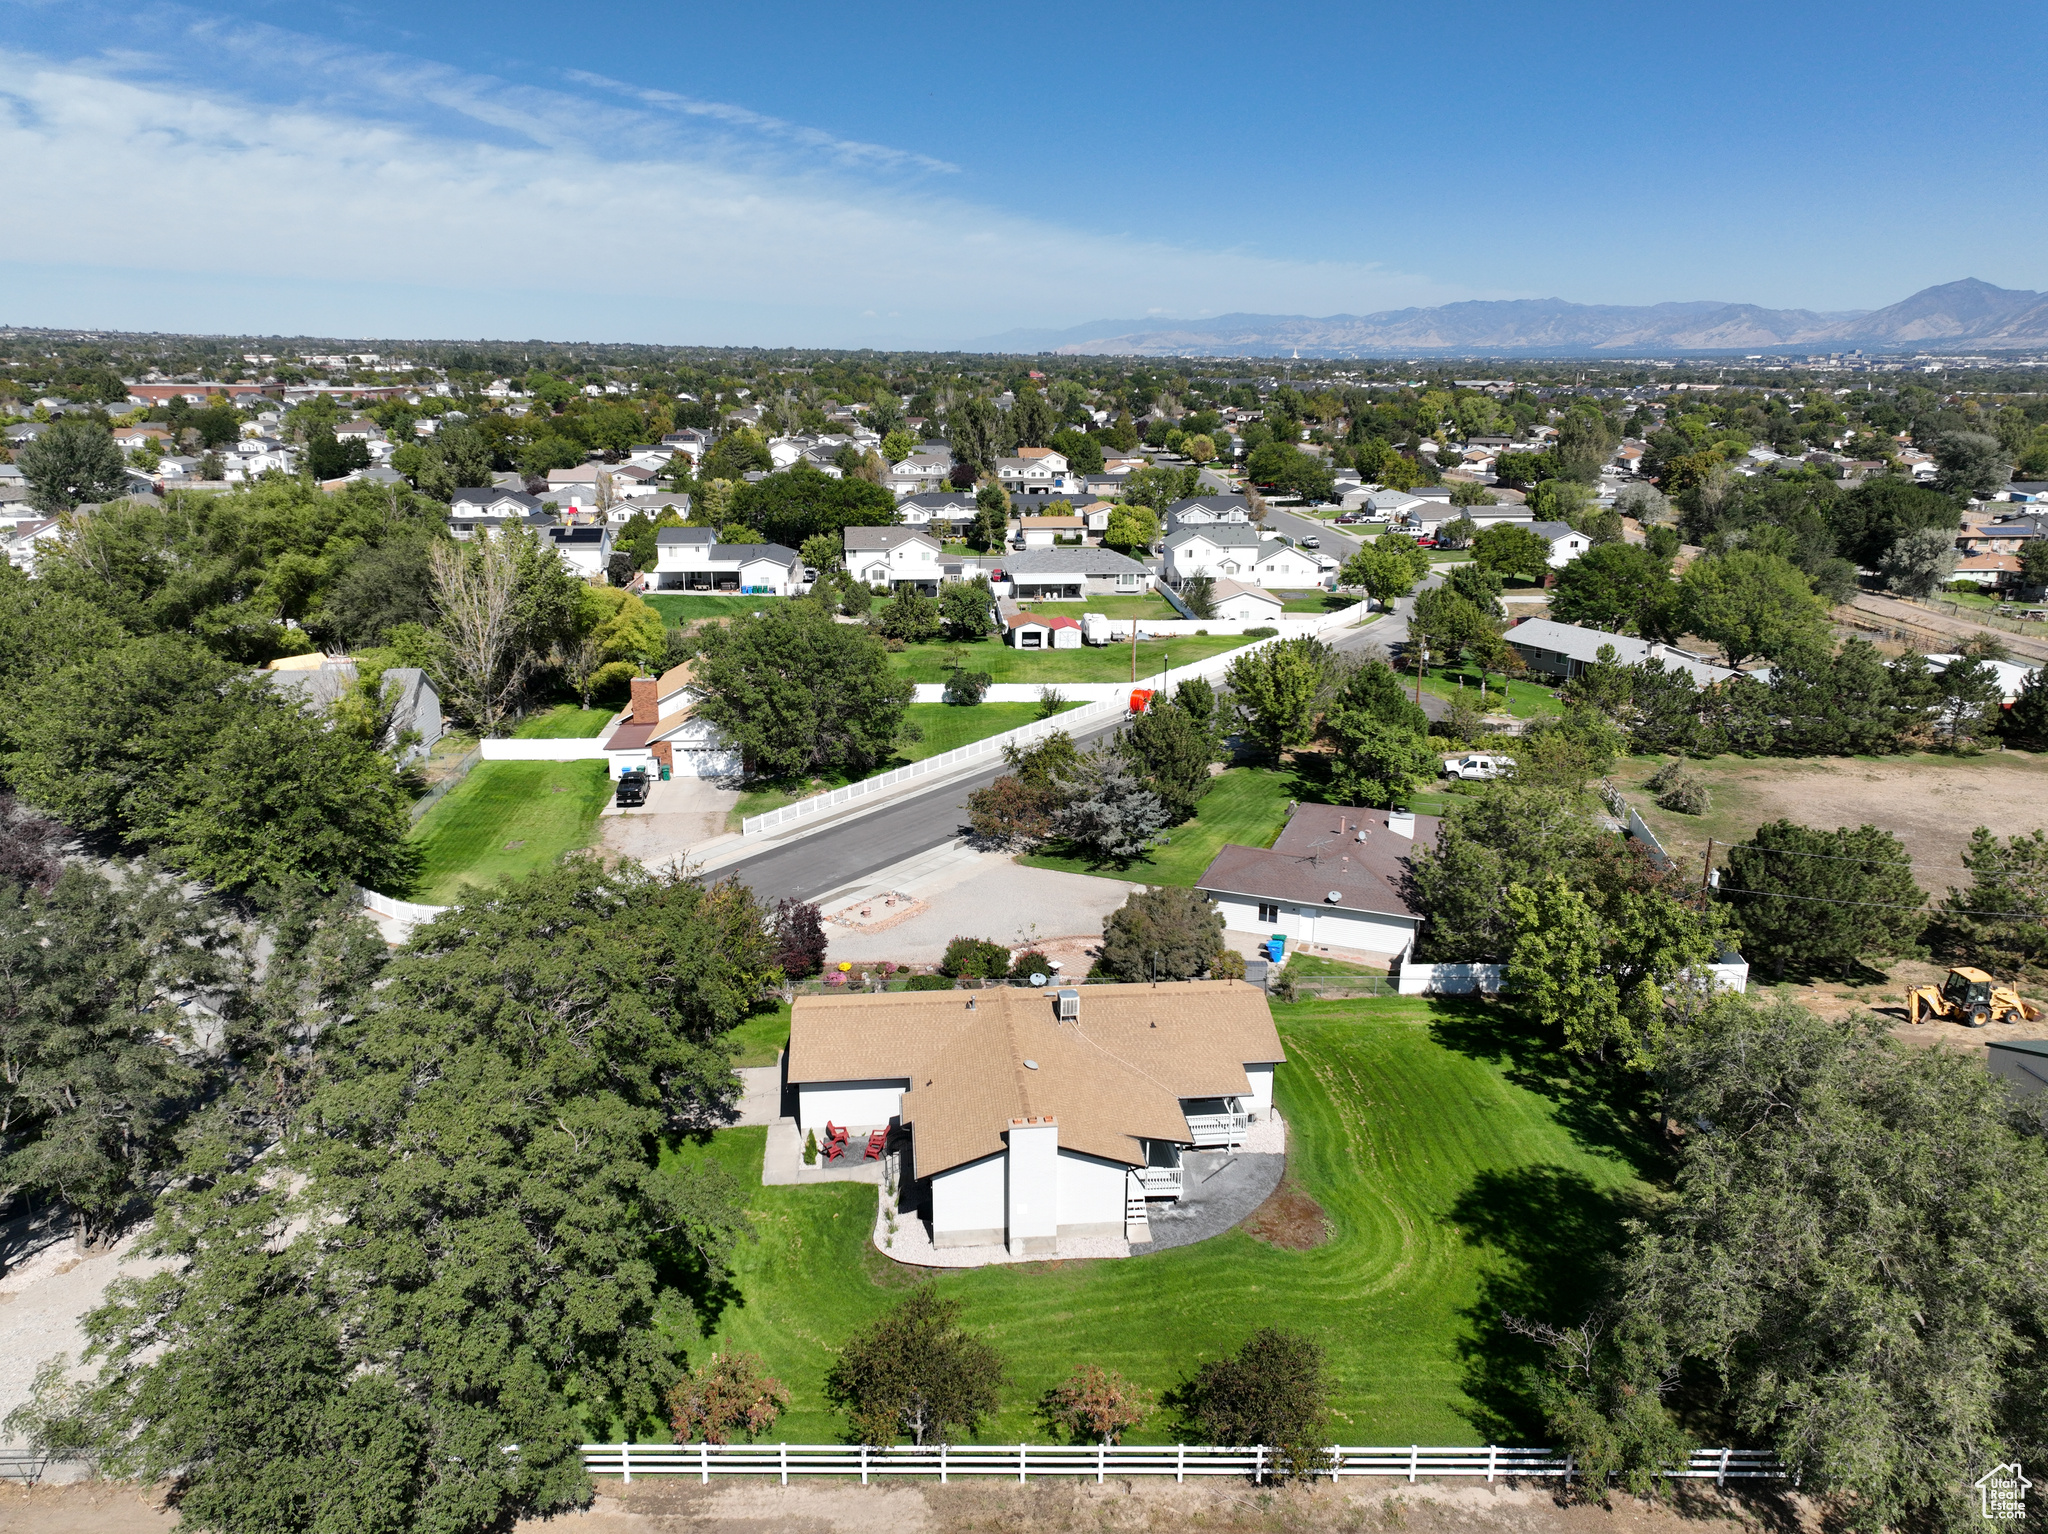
(797, 692)
(1279, 688)
(1620, 587)
(72, 463)
(802, 502)
(1823, 900)
(1164, 934)
(449, 1270)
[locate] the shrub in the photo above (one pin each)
(800, 940)
(929, 983)
(1229, 965)
(966, 688)
(975, 958)
(1050, 701)
(1029, 964)
(1680, 790)
(1095, 1405)
(1164, 933)
(811, 1148)
(1274, 1390)
(726, 1395)
(1260, 633)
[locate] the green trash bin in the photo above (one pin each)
(664, 772)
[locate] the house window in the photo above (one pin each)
(1268, 913)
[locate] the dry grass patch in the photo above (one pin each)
(1289, 1219)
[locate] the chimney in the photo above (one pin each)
(644, 710)
(1031, 1181)
(1402, 823)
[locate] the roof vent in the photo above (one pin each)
(1334, 897)
(1030, 1065)
(1069, 1004)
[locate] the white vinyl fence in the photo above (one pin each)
(1074, 720)
(1450, 979)
(404, 913)
(572, 748)
(1020, 1461)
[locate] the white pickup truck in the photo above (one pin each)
(1478, 768)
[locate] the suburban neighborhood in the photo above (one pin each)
(1244, 922)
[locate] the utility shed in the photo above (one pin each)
(2022, 1062)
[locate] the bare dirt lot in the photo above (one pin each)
(1131, 1507)
(1931, 803)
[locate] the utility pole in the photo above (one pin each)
(1707, 873)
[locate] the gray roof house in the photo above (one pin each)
(1566, 542)
(948, 508)
(1199, 510)
(692, 559)
(1564, 650)
(1071, 574)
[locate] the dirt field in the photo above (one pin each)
(1129, 1507)
(1931, 803)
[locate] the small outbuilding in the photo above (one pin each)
(1038, 631)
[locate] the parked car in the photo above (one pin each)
(632, 788)
(1478, 768)
(1311, 542)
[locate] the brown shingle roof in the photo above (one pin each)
(1112, 1077)
(1318, 853)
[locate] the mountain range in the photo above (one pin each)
(1968, 313)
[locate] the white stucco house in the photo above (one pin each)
(1036, 471)
(1027, 1116)
(1333, 877)
(1566, 542)
(692, 559)
(1237, 551)
(587, 551)
(893, 556)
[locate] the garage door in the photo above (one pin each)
(706, 764)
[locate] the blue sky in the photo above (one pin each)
(781, 173)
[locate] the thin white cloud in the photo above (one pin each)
(852, 151)
(537, 219)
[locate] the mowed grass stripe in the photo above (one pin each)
(1404, 1123)
(549, 808)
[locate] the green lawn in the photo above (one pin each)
(1148, 605)
(1315, 601)
(505, 820)
(1248, 806)
(946, 726)
(678, 609)
(1525, 700)
(762, 1037)
(1110, 663)
(1463, 1171)
(566, 721)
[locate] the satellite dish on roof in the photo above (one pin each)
(1334, 896)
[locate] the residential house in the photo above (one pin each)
(1036, 471)
(661, 727)
(1563, 651)
(1068, 575)
(587, 551)
(893, 557)
(1237, 551)
(1024, 1116)
(2023, 1063)
(692, 559)
(1567, 543)
(1207, 510)
(1333, 877)
(632, 482)
(1240, 602)
(1096, 515)
(488, 511)
(946, 513)
(918, 473)
(360, 430)
(319, 681)
(2012, 675)
(28, 539)
(1047, 532)
(1105, 482)
(1041, 631)
(575, 489)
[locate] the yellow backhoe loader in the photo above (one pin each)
(1970, 997)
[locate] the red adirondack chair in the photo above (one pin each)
(876, 1141)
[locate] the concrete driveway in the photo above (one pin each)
(955, 891)
(680, 814)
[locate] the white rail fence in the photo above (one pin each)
(404, 913)
(1073, 720)
(570, 748)
(1021, 1461)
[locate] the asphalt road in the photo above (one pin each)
(833, 858)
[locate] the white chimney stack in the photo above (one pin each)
(1402, 823)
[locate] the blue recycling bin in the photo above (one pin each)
(1276, 947)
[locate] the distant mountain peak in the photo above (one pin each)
(1969, 311)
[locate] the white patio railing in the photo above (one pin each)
(1021, 1461)
(1207, 1129)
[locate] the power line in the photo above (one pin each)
(1880, 905)
(1836, 857)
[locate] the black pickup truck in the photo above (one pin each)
(632, 788)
